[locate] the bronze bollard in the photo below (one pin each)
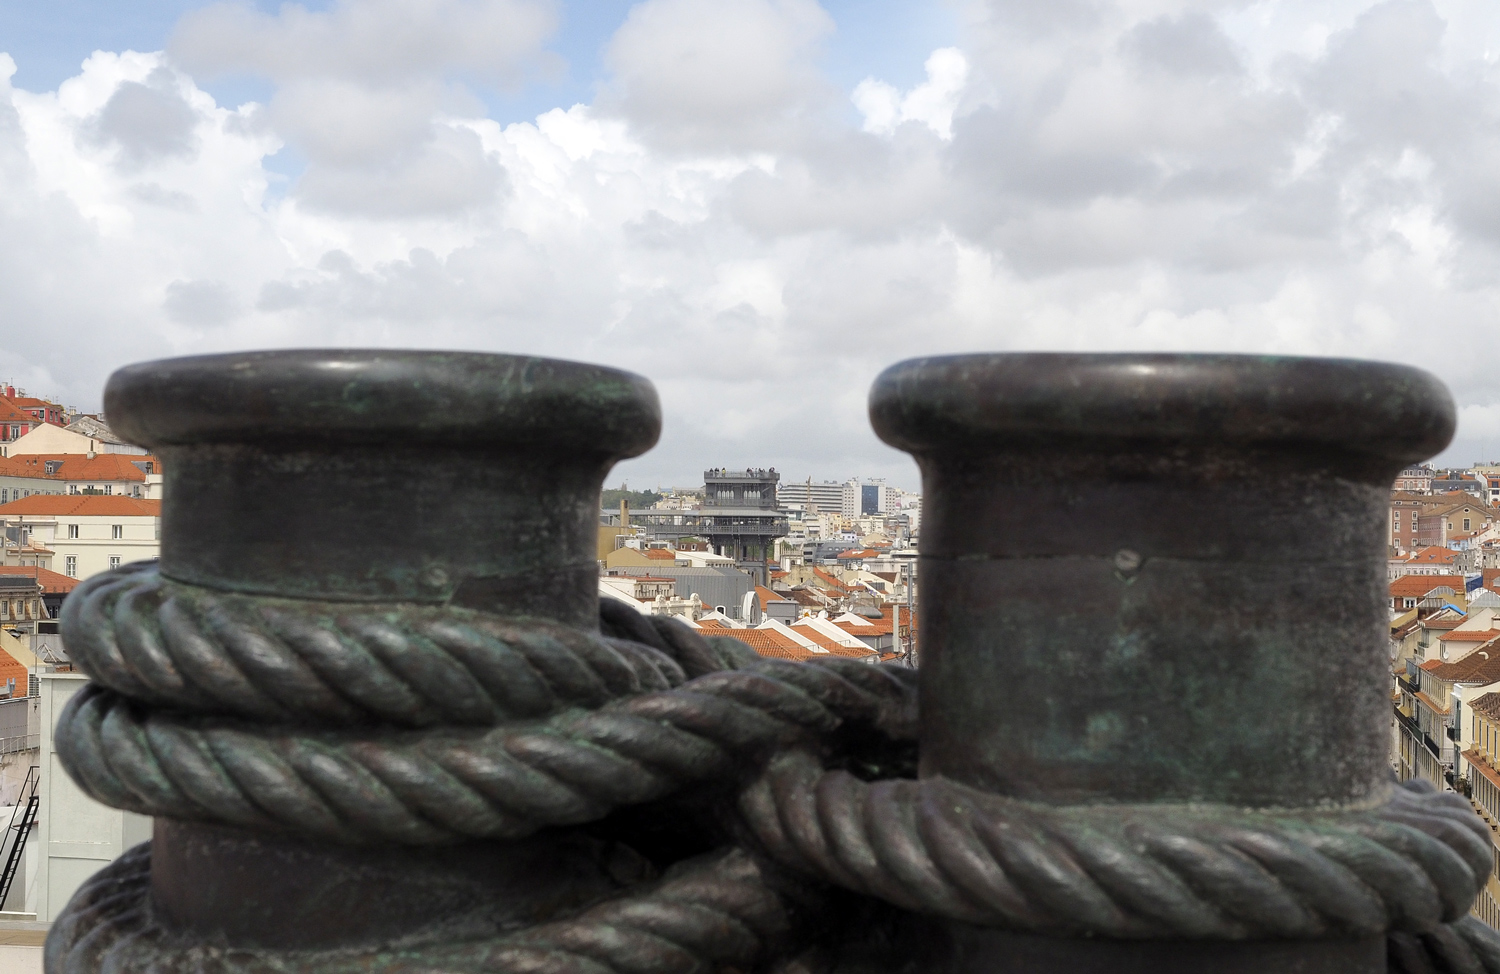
(411, 745)
(1155, 591)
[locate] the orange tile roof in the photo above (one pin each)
(767, 596)
(1487, 706)
(875, 627)
(661, 554)
(101, 466)
(24, 466)
(773, 644)
(82, 505)
(1480, 667)
(31, 402)
(834, 647)
(1433, 555)
(52, 582)
(1431, 665)
(1470, 635)
(1416, 586)
(9, 413)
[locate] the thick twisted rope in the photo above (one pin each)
(936, 847)
(1465, 946)
(304, 662)
(718, 912)
(434, 785)
(628, 720)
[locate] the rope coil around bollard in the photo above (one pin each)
(601, 722)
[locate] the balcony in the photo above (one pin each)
(760, 529)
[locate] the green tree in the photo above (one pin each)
(639, 499)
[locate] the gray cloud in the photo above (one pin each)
(375, 42)
(147, 122)
(729, 75)
(1151, 174)
(1190, 44)
(200, 303)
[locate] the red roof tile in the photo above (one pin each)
(52, 582)
(101, 466)
(1433, 555)
(1416, 586)
(767, 596)
(767, 642)
(82, 505)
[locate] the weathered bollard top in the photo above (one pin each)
(368, 475)
(1173, 565)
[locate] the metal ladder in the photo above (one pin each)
(25, 809)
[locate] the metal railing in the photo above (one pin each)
(15, 745)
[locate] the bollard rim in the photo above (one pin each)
(342, 396)
(981, 402)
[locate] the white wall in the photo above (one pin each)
(76, 835)
(96, 544)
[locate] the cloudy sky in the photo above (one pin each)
(756, 203)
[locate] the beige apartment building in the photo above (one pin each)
(87, 533)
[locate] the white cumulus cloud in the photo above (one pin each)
(1113, 174)
(932, 102)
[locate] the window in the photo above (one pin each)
(1466, 524)
(109, 488)
(114, 562)
(70, 566)
(117, 531)
(4, 495)
(72, 531)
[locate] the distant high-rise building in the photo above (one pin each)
(825, 497)
(869, 497)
